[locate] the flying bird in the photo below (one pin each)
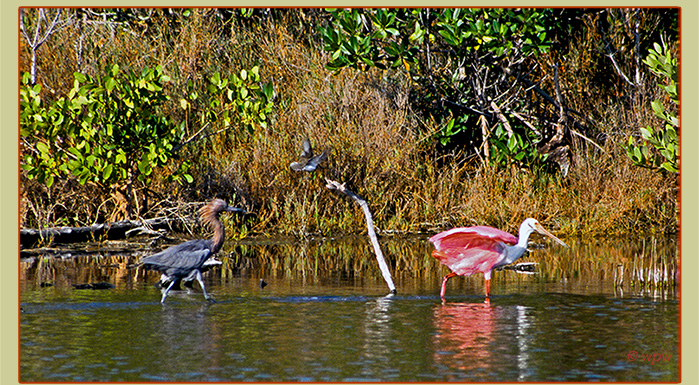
(308, 162)
(481, 249)
(186, 261)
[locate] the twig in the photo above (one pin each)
(563, 118)
(610, 52)
(525, 121)
(336, 186)
(486, 133)
(588, 139)
(502, 119)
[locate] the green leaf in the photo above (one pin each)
(674, 121)
(144, 167)
(658, 109)
(671, 167)
(42, 147)
(79, 77)
(84, 177)
(215, 79)
(268, 90)
(670, 134)
(107, 172)
(512, 143)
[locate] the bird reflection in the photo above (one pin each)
(467, 333)
(464, 332)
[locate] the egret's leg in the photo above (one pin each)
(444, 283)
(188, 286)
(201, 283)
(162, 300)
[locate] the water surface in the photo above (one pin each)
(326, 315)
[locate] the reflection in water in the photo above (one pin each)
(635, 267)
(377, 329)
(477, 339)
(324, 317)
(523, 341)
(464, 334)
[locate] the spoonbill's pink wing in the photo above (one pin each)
(468, 250)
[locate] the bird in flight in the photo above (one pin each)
(308, 162)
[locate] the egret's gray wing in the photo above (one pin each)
(179, 260)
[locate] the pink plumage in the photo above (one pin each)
(480, 249)
(469, 250)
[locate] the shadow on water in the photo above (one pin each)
(601, 311)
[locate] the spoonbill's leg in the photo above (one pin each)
(487, 283)
(444, 283)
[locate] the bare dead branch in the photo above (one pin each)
(502, 119)
(588, 140)
(336, 186)
(486, 133)
(40, 37)
(525, 121)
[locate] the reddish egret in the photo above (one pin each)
(186, 261)
(165, 281)
(480, 249)
(308, 162)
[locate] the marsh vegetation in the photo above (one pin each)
(140, 113)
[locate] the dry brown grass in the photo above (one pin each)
(376, 145)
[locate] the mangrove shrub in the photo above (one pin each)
(110, 131)
(469, 67)
(660, 148)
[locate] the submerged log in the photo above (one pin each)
(336, 186)
(114, 230)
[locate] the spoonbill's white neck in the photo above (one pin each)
(525, 230)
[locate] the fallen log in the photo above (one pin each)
(114, 230)
(336, 186)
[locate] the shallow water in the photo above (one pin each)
(326, 316)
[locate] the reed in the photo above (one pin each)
(644, 266)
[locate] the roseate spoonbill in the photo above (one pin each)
(308, 162)
(186, 261)
(480, 249)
